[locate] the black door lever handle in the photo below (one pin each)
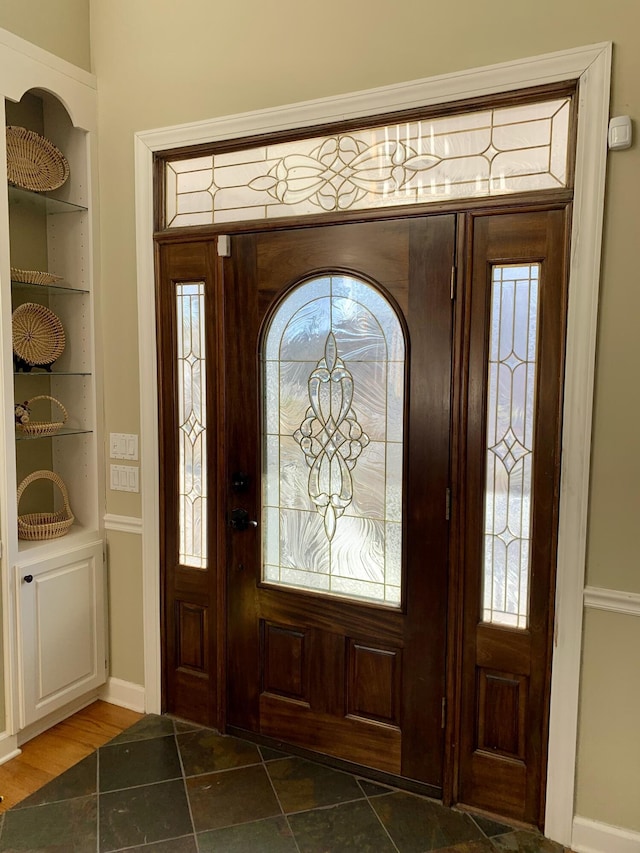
(239, 519)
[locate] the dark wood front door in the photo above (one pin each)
(352, 677)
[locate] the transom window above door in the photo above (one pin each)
(472, 154)
(333, 414)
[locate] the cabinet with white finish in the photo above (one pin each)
(53, 590)
(60, 622)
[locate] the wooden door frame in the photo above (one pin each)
(591, 66)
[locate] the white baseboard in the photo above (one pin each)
(8, 748)
(124, 693)
(591, 836)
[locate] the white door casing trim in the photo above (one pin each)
(590, 65)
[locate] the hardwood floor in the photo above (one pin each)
(56, 750)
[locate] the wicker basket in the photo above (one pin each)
(34, 276)
(41, 428)
(36, 526)
(33, 162)
(38, 335)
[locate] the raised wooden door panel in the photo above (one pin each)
(188, 335)
(357, 680)
(61, 659)
(517, 287)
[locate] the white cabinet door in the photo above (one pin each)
(61, 630)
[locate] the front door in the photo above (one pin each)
(337, 349)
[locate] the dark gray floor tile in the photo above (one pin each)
(138, 816)
(206, 751)
(521, 841)
(347, 828)
(372, 789)
(65, 827)
(418, 825)
(138, 763)
(482, 846)
(182, 726)
(231, 797)
(187, 844)
(153, 725)
(269, 754)
(302, 785)
(491, 828)
(79, 781)
(266, 836)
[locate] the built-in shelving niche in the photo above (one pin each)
(51, 232)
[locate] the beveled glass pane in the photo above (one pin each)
(302, 541)
(485, 153)
(294, 397)
(393, 553)
(192, 422)
(306, 331)
(370, 379)
(339, 478)
(510, 430)
(290, 305)
(368, 498)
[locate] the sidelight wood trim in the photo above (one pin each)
(459, 372)
(515, 654)
(190, 597)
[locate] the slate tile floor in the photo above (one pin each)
(164, 786)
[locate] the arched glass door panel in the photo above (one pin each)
(333, 413)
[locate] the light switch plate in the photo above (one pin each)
(124, 478)
(123, 445)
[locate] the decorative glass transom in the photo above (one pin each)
(509, 453)
(192, 425)
(483, 153)
(333, 400)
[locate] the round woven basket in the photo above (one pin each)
(38, 335)
(33, 162)
(44, 525)
(43, 428)
(34, 276)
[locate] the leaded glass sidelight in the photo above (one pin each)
(192, 424)
(333, 361)
(509, 452)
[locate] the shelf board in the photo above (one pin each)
(53, 289)
(42, 202)
(30, 551)
(20, 436)
(38, 371)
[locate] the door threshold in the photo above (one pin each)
(433, 792)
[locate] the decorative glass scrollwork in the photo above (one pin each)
(330, 436)
(483, 153)
(333, 412)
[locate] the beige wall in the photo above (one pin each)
(161, 63)
(609, 754)
(59, 26)
(125, 605)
